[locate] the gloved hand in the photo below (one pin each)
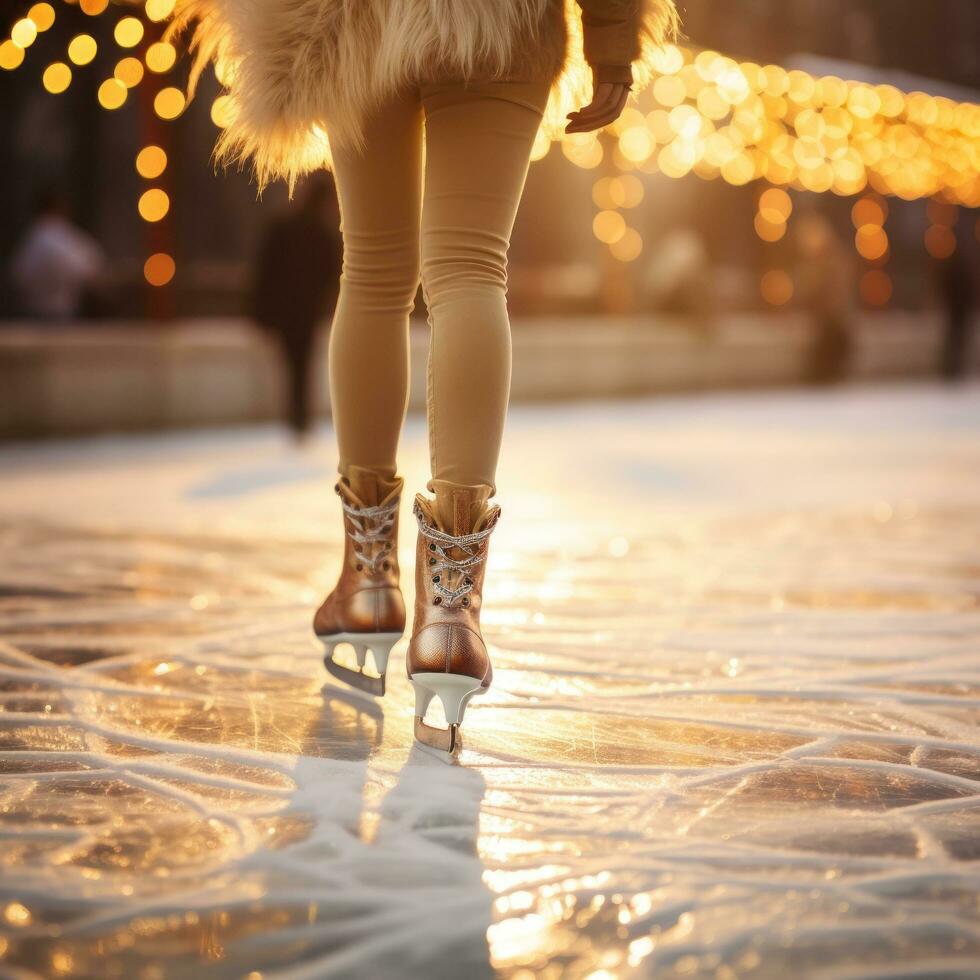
(608, 99)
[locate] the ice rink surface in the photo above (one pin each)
(733, 730)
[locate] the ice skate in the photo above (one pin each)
(447, 657)
(366, 609)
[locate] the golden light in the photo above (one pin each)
(151, 161)
(169, 103)
(628, 247)
(775, 205)
(940, 241)
(767, 230)
(609, 226)
(93, 7)
(160, 56)
(42, 14)
(129, 71)
(112, 93)
(869, 211)
(11, 56)
(222, 111)
(153, 204)
(876, 287)
(56, 78)
(23, 33)
(157, 10)
(776, 287)
(128, 32)
(630, 189)
(159, 269)
(871, 242)
(82, 49)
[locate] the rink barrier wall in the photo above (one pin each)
(137, 376)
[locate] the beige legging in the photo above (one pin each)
(455, 231)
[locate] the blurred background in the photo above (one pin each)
(791, 200)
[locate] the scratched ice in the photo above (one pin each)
(733, 732)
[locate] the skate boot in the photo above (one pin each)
(447, 657)
(366, 608)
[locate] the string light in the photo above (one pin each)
(112, 93)
(11, 56)
(160, 57)
(169, 103)
(151, 161)
(82, 49)
(159, 269)
(153, 204)
(42, 15)
(128, 32)
(56, 77)
(129, 71)
(24, 32)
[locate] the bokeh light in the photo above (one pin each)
(940, 241)
(871, 242)
(169, 103)
(56, 77)
(609, 226)
(776, 287)
(222, 110)
(160, 56)
(42, 15)
(23, 33)
(157, 10)
(82, 49)
(93, 7)
(11, 56)
(153, 204)
(159, 269)
(151, 161)
(128, 32)
(628, 246)
(129, 71)
(112, 93)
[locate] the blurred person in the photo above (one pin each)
(431, 108)
(677, 278)
(57, 268)
(824, 282)
(295, 285)
(956, 278)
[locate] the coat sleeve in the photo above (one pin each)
(611, 30)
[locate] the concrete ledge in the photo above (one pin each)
(134, 376)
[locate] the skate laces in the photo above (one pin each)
(439, 544)
(370, 526)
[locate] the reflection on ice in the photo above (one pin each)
(717, 746)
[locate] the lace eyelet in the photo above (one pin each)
(432, 561)
(468, 580)
(432, 547)
(435, 578)
(360, 567)
(466, 603)
(437, 601)
(386, 565)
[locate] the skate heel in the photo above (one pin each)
(454, 691)
(379, 644)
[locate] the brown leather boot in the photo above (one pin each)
(447, 656)
(366, 608)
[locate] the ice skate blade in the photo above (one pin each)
(379, 644)
(448, 740)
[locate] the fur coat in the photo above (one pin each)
(297, 70)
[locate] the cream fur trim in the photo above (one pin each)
(295, 70)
